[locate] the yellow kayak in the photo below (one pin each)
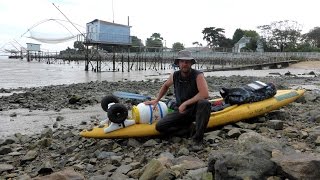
(228, 115)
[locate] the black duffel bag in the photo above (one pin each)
(253, 92)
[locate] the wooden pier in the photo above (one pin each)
(259, 66)
(121, 62)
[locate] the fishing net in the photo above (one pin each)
(53, 31)
(49, 38)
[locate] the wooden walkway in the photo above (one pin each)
(120, 62)
(269, 65)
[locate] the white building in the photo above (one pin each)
(240, 44)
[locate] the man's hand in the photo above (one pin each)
(154, 103)
(182, 108)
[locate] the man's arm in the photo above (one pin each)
(202, 94)
(163, 90)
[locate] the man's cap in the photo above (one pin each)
(184, 55)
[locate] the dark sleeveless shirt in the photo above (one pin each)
(185, 87)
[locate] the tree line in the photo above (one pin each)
(279, 36)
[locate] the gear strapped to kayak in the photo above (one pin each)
(117, 113)
(253, 92)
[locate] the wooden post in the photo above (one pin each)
(113, 60)
(128, 59)
(86, 63)
(122, 59)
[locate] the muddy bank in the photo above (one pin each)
(277, 144)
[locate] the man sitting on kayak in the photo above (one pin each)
(191, 92)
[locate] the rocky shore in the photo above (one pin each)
(284, 144)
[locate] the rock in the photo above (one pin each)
(152, 170)
(133, 143)
(74, 99)
(65, 174)
(5, 150)
(298, 165)
(166, 174)
(189, 162)
(46, 168)
(248, 140)
(199, 174)
(79, 167)
(317, 142)
(213, 137)
(105, 154)
(109, 168)
(118, 176)
(59, 118)
(291, 132)
(166, 159)
(279, 115)
(234, 133)
(45, 142)
(246, 125)
(167, 155)
(123, 169)
(304, 134)
(183, 151)
(9, 140)
(47, 132)
(6, 167)
(55, 125)
(30, 156)
(150, 143)
(288, 73)
(116, 160)
(249, 164)
(275, 124)
(312, 73)
(100, 177)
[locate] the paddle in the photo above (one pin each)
(128, 95)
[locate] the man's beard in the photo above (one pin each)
(186, 70)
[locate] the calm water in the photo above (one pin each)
(16, 73)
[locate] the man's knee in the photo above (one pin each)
(204, 103)
(161, 127)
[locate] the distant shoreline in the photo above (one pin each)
(306, 65)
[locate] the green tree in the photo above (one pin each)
(154, 43)
(78, 45)
(237, 35)
(197, 43)
(281, 35)
(254, 36)
(177, 46)
(136, 44)
(313, 37)
(213, 36)
(226, 43)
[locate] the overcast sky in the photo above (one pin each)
(176, 20)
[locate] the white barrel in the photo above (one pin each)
(146, 114)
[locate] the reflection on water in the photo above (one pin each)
(16, 73)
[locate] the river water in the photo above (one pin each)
(15, 73)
